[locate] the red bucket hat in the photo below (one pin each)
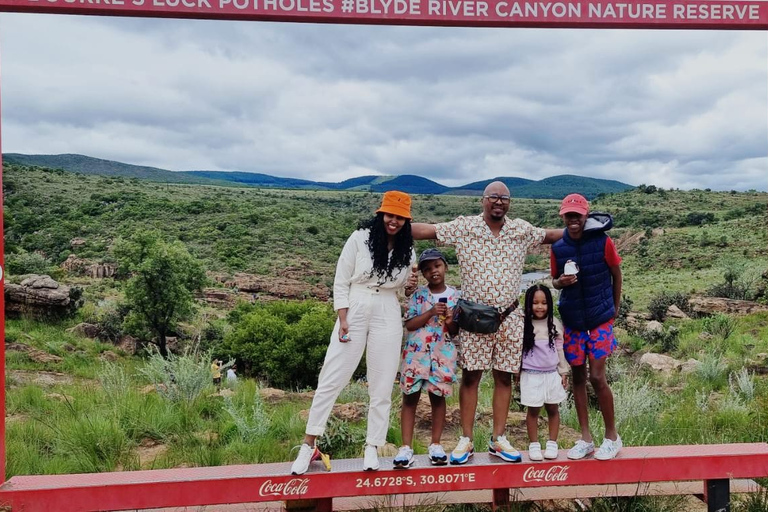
(396, 203)
(574, 203)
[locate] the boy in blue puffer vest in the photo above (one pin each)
(585, 268)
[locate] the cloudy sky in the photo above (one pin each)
(328, 102)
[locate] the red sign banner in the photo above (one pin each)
(665, 14)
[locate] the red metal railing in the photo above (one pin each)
(272, 482)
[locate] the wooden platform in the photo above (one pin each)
(715, 465)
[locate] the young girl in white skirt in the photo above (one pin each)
(544, 370)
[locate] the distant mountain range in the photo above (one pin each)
(554, 187)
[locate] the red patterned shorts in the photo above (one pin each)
(597, 343)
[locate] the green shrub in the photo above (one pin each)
(743, 384)
(281, 342)
(354, 392)
(660, 302)
(91, 444)
(27, 263)
(251, 424)
(740, 282)
(340, 437)
(666, 339)
(178, 378)
(712, 369)
(114, 381)
(638, 400)
(699, 218)
(639, 504)
(720, 325)
(753, 502)
(625, 307)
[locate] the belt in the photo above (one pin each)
(371, 289)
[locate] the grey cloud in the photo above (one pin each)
(678, 109)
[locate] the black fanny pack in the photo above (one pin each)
(474, 317)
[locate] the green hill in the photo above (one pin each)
(253, 179)
(550, 188)
(88, 165)
(557, 187)
(477, 187)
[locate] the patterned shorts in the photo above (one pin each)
(501, 350)
(597, 343)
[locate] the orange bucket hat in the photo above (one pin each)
(396, 203)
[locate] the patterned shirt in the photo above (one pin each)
(491, 267)
(429, 355)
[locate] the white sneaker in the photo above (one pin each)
(437, 455)
(370, 458)
(534, 451)
(552, 450)
(609, 449)
(404, 458)
(581, 449)
(306, 455)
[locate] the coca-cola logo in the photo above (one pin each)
(552, 474)
(293, 487)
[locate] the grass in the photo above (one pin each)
(100, 416)
(96, 424)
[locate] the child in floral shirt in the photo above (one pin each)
(429, 356)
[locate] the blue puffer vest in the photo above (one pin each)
(589, 302)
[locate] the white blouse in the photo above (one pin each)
(354, 268)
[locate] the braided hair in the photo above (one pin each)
(377, 243)
(528, 341)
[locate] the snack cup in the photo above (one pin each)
(571, 268)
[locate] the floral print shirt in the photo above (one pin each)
(429, 356)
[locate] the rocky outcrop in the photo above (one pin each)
(689, 366)
(654, 326)
(280, 287)
(713, 305)
(634, 321)
(128, 344)
(667, 364)
(108, 355)
(40, 378)
(86, 329)
(675, 312)
(272, 395)
(40, 296)
(34, 354)
(660, 362)
(628, 241)
(225, 298)
(83, 267)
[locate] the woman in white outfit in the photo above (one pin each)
(374, 264)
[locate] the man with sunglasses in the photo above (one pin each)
(491, 250)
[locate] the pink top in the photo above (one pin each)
(543, 358)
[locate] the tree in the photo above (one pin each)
(163, 276)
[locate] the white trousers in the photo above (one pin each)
(375, 326)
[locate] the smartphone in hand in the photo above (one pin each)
(443, 300)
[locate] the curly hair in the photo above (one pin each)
(377, 243)
(528, 341)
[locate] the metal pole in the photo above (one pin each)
(718, 495)
(2, 320)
